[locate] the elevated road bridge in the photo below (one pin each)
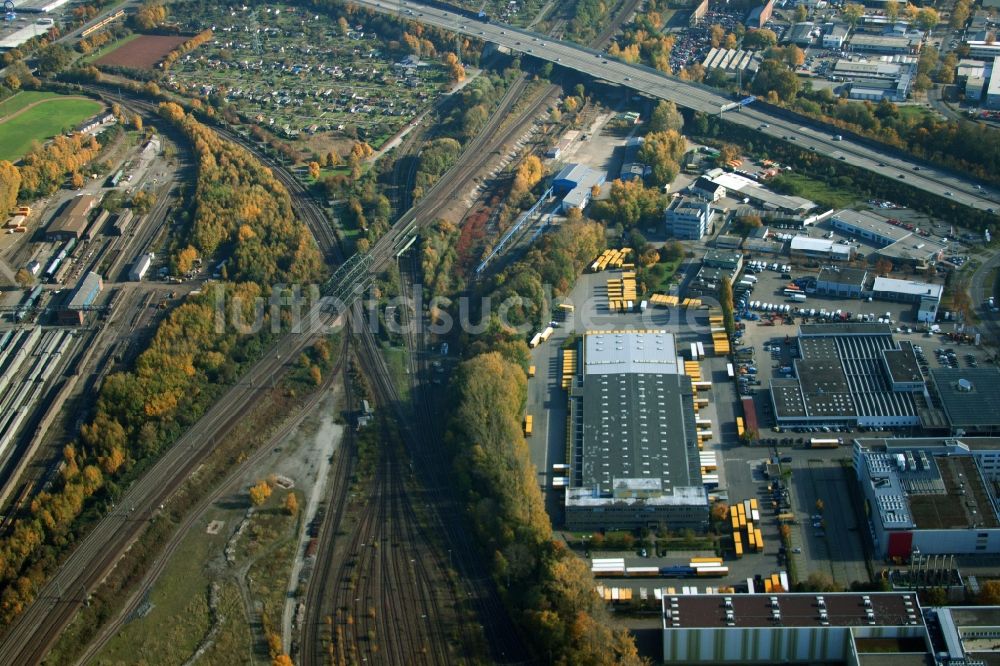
(774, 124)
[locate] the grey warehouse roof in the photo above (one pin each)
(614, 352)
(977, 406)
(639, 426)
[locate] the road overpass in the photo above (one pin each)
(809, 135)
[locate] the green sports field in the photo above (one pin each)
(21, 126)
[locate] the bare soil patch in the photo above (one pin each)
(144, 52)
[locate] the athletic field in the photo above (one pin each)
(32, 116)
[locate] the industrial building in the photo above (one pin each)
(804, 247)
(886, 44)
(732, 61)
(983, 50)
(632, 168)
(885, 77)
(575, 183)
(73, 220)
(634, 443)
(39, 6)
(750, 190)
(39, 28)
(914, 250)
(760, 15)
(849, 375)
(687, 219)
(81, 300)
(834, 35)
(893, 241)
(969, 398)
(993, 88)
(141, 267)
(841, 282)
(800, 34)
(804, 628)
(927, 296)
(715, 265)
(935, 496)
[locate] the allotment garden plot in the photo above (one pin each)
(303, 76)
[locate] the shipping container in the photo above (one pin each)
(820, 443)
(528, 425)
(547, 333)
(531, 371)
(535, 340)
(701, 350)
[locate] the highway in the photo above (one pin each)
(805, 133)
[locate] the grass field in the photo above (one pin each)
(13, 104)
(53, 115)
(814, 190)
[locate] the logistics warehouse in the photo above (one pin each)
(634, 440)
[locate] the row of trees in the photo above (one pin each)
(202, 37)
(240, 212)
(548, 587)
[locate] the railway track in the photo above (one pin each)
(137, 595)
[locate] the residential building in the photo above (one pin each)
(634, 444)
(687, 219)
(707, 189)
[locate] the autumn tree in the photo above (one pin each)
(663, 151)
(716, 33)
(892, 10)
(10, 185)
(666, 117)
(23, 278)
(456, 71)
(314, 170)
(759, 39)
(989, 593)
(802, 13)
(137, 122)
(529, 173)
(185, 259)
(883, 266)
(259, 492)
(720, 512)
(726, 304)
(284, 659)
(853, 12)
(291, 504)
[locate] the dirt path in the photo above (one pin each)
(43, 101)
